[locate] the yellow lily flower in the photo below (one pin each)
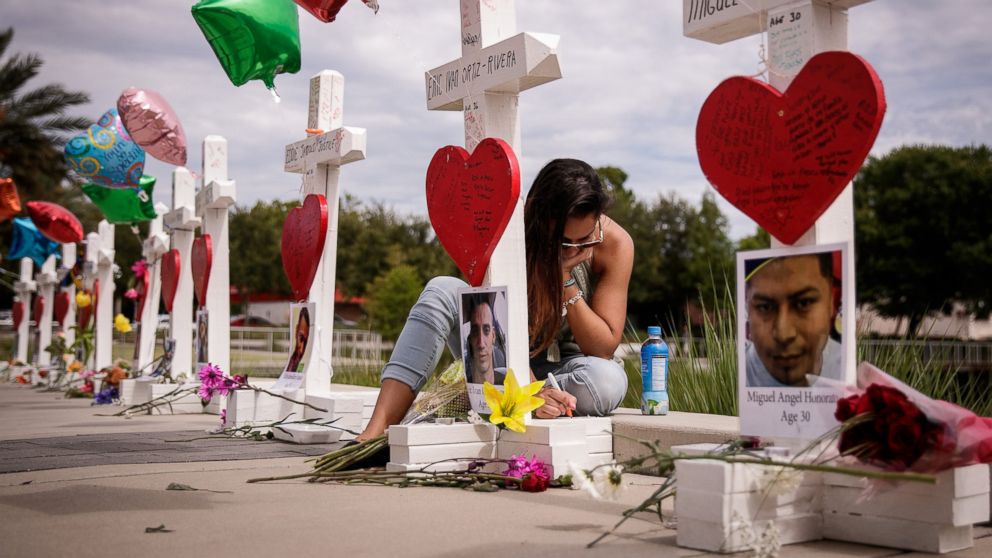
(83, 299)
(512, 405)
(121, 323)
(75, 366)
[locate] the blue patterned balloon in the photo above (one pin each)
(28, 242)
(105, 154)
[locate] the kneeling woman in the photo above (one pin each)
(578, 269)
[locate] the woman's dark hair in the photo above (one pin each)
(564, 188)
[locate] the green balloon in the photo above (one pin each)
(124, 205)
(253, 39)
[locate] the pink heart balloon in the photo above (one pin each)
(153, 124)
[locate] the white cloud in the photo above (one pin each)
(632, 89)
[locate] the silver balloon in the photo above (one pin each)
(153, 125)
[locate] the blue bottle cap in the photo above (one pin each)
(654, 330)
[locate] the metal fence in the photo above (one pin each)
(267, 348)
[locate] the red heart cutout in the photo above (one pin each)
(782, 159)
(17, 313)
(62, 302)
(171, 266)
(470, 201)
(39, 309)
(201, 260)
(303, 234)
(142, 289)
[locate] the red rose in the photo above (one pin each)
(534, 483)
(905, 441)
(845, 408)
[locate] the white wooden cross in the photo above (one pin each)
(46, 280)
(156, 244)
(484, 83)
(100, 266)
(68, 262)
(212, 203)
(182, 223)
(24, 286)
(797, 30)
(319, 159)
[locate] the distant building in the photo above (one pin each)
(959, 324)
(273, 309)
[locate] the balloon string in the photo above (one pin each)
(275, 94)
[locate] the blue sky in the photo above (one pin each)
(631, 91)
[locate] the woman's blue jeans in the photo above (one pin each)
(598, 384)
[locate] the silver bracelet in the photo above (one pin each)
(575, 298)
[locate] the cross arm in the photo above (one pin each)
(509, 66)
(337, 147)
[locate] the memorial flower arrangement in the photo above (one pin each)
(446, 398)
(888, 432)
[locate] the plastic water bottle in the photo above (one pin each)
(654, 374)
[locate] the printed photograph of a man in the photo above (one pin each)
(484, 348)
(792, 306)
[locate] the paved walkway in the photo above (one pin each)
(103, 508)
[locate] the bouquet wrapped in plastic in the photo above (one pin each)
(892, 426)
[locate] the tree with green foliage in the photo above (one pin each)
(255, 236)
(923, 233)
(34, 126)
(682, 253)
(390, 297)
(760, 240)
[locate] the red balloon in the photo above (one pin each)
(327, 10)
(55, 222)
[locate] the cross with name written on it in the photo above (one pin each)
(319, 158)
(484, 84)
(797, 31)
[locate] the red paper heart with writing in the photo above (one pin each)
(201, 260)
(303, 234)
(782, 159)
(62, 302)
(171, 266)
(39, 309)
(17, 312)
(470, 201)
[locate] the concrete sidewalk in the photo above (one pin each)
(104, 510)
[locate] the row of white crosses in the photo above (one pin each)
(798, 30)
(207, 208)
(46, 284)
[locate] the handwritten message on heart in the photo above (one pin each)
(171, 266)
(303, 234)
(470, 200)
(62, 302)
(782, 159)
(202, 258)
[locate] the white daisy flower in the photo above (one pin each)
(583, 480)
(608, 480)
